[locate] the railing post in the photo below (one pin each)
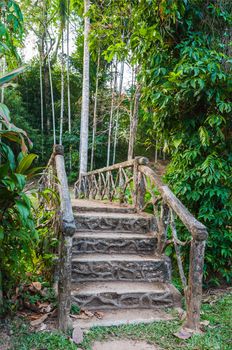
(194, 290)
(141, 191)
(67, 230)
(136, 182)
(140, 183)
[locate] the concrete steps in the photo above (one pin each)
(120, 267)
(125, 295)
(115, 264)
(82, 205)
(114, 222)
(111, 243)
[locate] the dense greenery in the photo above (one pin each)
(179, 58)
(185, 72)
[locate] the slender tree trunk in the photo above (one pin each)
(68, 87)
(85, 95)
(95, 111)
(41, 106)
(62, 89)
(131, 105)
(3, 71)
(1, 282)
(156, 149)
(52, 101)
(114, 85)
(134, 123)
(117, 117)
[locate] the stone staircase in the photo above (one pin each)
(114, 261)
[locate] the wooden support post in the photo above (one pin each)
(64, 284)
(121, 186)
(136, 183)
(68, 228)
(141, 187)
(194, 290)
(163, 227)
(141, 191)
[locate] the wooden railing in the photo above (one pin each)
(135, 183)
(54, 178)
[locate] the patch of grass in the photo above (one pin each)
(216, 337)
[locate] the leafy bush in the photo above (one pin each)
(17, 227)
(28, 242)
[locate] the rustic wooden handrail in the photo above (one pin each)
(54, 177)
(132, 182)
(195, 227)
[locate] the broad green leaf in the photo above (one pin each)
(25, 163)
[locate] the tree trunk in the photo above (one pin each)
(111, 114)
(62, 89)
(41, 106)
(3, 72)
(52, 101)
(95, 111)
(134, 123)
(117, 117)
(68, 88)
(85, 95)
(156, 150)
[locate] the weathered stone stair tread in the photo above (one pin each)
(123, 317)
(128, 295)
(110, 235)
(134, 216)
(117, 257)
(96, 206)
(113, 243)
(120, 267)
(90, 288)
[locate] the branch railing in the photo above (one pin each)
(133, 182)
(54, 178)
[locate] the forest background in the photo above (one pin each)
(176, 56)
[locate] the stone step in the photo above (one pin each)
(125, 295)
(107, 242)
(120, 267)
(82, 205)
(115, 222)
(119, 317)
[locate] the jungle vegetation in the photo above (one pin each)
(157, 82)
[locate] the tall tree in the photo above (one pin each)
(112, 108)
(118, 110)
(84, 132)
(41, 104)
(95, 111)
(68, 84)
(134, 122)
(63, 13)
(52, 102)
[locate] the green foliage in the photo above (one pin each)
(18, 234)
(11, 30)
(24, 247)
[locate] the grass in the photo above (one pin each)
(217, 335)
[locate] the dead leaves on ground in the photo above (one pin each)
(85, 315)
